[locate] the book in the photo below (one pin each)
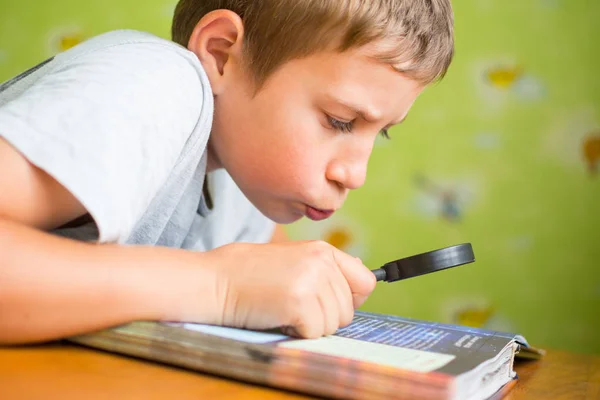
(377, 356)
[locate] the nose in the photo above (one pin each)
(349, 173)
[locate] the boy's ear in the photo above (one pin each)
(216, 40)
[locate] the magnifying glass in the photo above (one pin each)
(426, 263)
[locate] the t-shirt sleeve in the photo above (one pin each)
(109, 125)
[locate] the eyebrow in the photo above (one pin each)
(365, 114)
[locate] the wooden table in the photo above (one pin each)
(64, 371)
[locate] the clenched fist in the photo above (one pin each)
(309, 288)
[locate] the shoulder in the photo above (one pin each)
(135, 62)
(125, 110)
(133, 54)
(129, 40)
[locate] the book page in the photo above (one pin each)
(398, 357)
(395, 332)
(242, 335)
(390, 340)
(470, 346)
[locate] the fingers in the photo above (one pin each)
(310, 325)
(358, 300)
(335, 301)
(321, 315)
(320, 288)
(343, 297)
(330, 307)
(325, 307)
(360, 279)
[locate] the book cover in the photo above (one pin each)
(375, 357)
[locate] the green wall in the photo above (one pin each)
(500, 154)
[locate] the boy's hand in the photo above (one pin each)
(308, 288)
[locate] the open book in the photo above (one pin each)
(375, 357)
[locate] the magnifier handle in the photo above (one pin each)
(380, 274)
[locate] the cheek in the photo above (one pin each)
(273, 142)
(293, 158)
(290, 156)
(232, 130)
(290, 131)
(307, 159)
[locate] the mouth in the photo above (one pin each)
(316, 214)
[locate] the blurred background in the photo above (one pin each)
(503, 153)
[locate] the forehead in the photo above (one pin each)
(353, 75)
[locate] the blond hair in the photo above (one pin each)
(418, 34)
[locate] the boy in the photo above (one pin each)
(142, 178)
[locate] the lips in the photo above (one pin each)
(316, 214)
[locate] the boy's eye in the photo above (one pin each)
(340, 125)
(347, 126)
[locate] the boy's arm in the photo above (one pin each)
(53, 287)
(31, 196)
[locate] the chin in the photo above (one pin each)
(279, 212)
(287, 219)
(282, 218)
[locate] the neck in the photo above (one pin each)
(212, 162)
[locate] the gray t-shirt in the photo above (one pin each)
(122, 121)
